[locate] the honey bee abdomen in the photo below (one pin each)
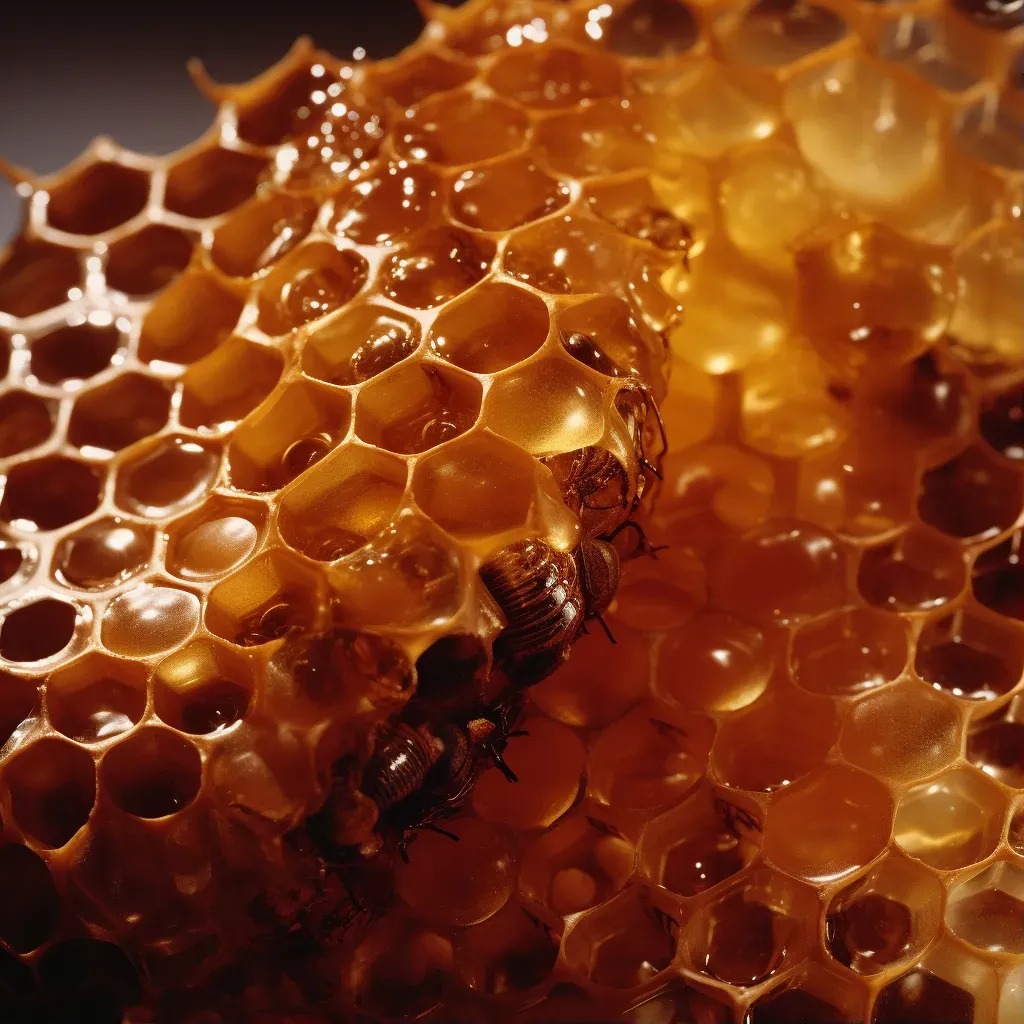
(399, 765)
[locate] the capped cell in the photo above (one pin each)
(214, 539)
(149, 619)
(103, 554)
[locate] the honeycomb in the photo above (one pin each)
(280, 409)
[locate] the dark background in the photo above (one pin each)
(74, 70)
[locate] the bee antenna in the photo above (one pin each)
(441, 831)
(604, 625)
(642, 542)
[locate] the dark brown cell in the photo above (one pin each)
(920, 997)
(212, 181)
(870, 928)
(421, 76)
(917, 571)
(89, 980)
(145, 262)
(103, 554)
(5, 353)
(29, 903)
(51, 492)
(39, 630)
(25, 421)
(998, 578)
(118, 414)
(969, 657)
(97, 198)
(35, 276)
(794, 1006)
(1002, 423)
(18, 700)
(74, 352)
(997, 748)
(652, 28)
(743, 948)
(152, 773)
(701, 862)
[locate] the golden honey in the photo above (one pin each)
(273, 401)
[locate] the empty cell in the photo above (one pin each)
(872, 136)
(917, 571)
(1001, 423)
(260, 232)
(700, 843)
(920, 997)
(416, 408)
(386, 203)
(148, 260)
(496, 326)
(11, 560)
(411, 79)
(90, 975)
(203, 689)
(72, 353)
(96, 698)
(973, 657)
(152, 773)
(902, 733)
(601, 138)
(211, 181)
(215, 539)
(26, 421)
(778, 36)
(987, 910)
(652, 29)
(713, 662)
(331, 513)
(460, 883)
(97, 198)
(836, 821)
(995, 744)
(53, 788)
(792, 1002)
(45, 494)
(438, 265)
(30, 906)
(477, 486)
(119, 413)
(18, 702)
(38, 630)
(887, 917)
(952, 821)
(512, 952)
(506, 194)
(624, 943)
(754, 930)
(167, 476)
(549, 77)
(295, 428)
(36, 275)
(359, 344)
(995, 578)
(103, 554)
(228, 384)
(650, 758)
(569, 409)
(149, 619)
(189, 320)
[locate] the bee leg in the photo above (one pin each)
(651, 468)
(604, 625)
(643, 544)
(500, 763)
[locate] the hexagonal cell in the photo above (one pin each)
(152, 773)
(815, 995)
(12, 559)
(359, 344)
(53, 789)
(333, 512)
(550, 764)
(494, 327)
(700, 843)
(97, 198)
(96, 698)
(415, 408)
(460, 883)
(119, 413)
(754, 930)
(650, 758)
(888, 916)
(506, 194)
(1001, 423)
(189, 319)
(387, 203)
(407, 81)
(554, 76)
(990, 132)
(919, 44)
(873, 136)
(635, 209)
(917, 571)
(849, 651)
(148, 260)
(660, 594)
(47, 493)
(995, 578)
(277, 104)
(149, 619)
(602, 333)
(291, 432)
(89, 976)
(260, 232)
(970, 656)
(512, 952)
(460, 128)
(624, 943)
(75, 352)
(952, 821)
(103, 554)
(18, 702)
(920, 997)
(902, 733)
(440, 264)
(262, 600)
(26, 420)
(568, 254)
(780, 738)
(211, 181)
(38, 630)
(995, 744)
(987, 910)
(778, 35)
(599, 683)
(714, 662)
(228, 384)
(30, 906)
(652, 29)
(308, 283)
(167, 476)
(601, 138)
(37, 275)
(215, 538)
(204, 688)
